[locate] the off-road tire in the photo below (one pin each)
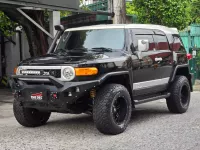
(29, 117)
(179, 100)
(103, 109)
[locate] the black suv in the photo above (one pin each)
(105, 71)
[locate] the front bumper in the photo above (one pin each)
(66, 92)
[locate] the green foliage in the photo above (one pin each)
(164, 12)
(198, 59)
(130, 9)
(195, 11)
(6, 25)
(65, 13)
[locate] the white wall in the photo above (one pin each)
(12, 53)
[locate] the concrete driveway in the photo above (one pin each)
(151, 127)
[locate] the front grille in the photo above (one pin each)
(52, 72)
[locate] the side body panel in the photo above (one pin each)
(152, 68)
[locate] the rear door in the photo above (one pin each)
(144, 73)
(163, 57)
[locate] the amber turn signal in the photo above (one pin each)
(86, 71)
(15, 71)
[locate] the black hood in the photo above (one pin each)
(70, 59)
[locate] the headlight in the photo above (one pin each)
(18, 71)
(69, 73)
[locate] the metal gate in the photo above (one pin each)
(191, 41)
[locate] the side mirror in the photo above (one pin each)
(59, 28)
(143, 45)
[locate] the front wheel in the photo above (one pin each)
(112, 109)
(29, 117)
(180, 91)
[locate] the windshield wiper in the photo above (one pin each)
(60, 51)
(82, 49)
(77, 51)
(102, 49)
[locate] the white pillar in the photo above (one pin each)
(110, 8)
(54, 19)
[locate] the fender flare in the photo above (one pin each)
(110, 74)
(175, 71)
(190, 76)
(103, 78)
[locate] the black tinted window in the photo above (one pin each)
(162, 43)
(177, 45)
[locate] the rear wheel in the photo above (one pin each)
(29, 117)
(112, 109)
(180, 91)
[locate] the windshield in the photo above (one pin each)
(90, 40)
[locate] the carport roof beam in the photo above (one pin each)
(18, 4)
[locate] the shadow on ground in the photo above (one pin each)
(6, 95)
(85, 121)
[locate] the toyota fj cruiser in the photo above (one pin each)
(103, 70)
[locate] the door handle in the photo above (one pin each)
(158, 59)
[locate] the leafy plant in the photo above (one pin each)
(164, 12)
(130, 8)
(6, 25)
(195, 11)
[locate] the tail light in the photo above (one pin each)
(189, 56)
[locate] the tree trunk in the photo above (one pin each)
(119, 8)
(37, 40)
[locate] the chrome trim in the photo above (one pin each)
(73, 71)
(41, 67)
(151, 83)
(47, 67)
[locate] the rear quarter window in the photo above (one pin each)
(178, 45)
(162, 42)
